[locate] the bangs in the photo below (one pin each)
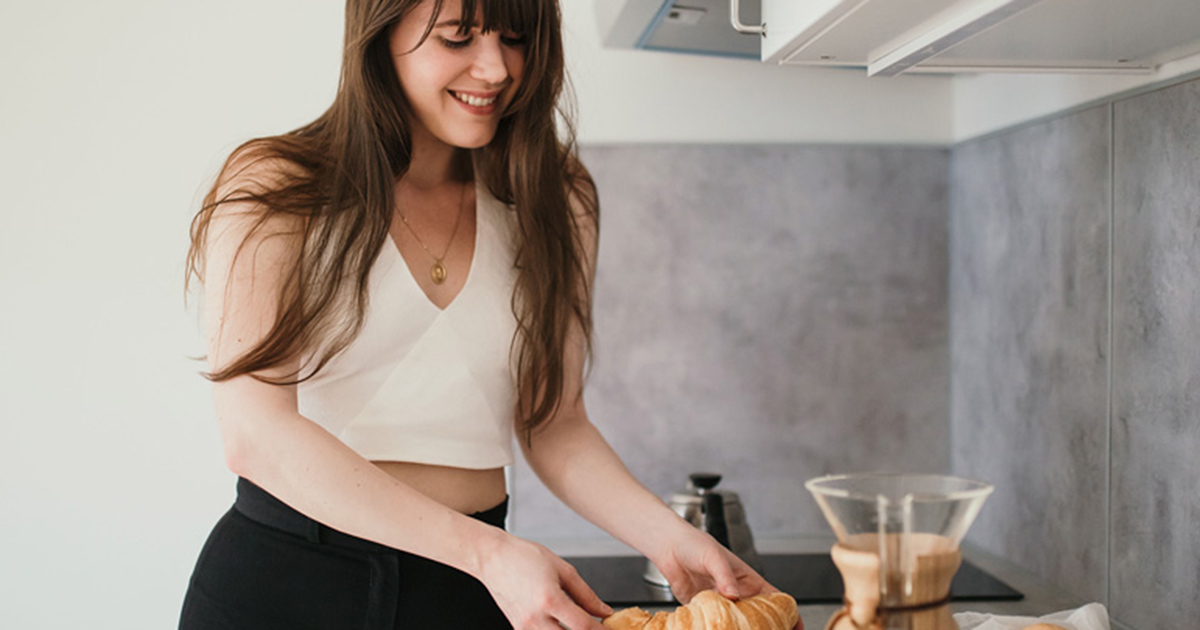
(514, 16)
(534, 20)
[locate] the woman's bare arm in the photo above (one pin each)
(574, 460)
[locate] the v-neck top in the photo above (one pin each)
(424, 384)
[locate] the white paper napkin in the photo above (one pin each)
(1090, 617)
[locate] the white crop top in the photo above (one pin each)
(426, 385)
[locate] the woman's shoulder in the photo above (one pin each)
(260, 168)
(250, 205)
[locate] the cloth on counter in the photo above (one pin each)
(1090, 617)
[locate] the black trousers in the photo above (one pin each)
(266, 566)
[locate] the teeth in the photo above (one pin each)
(474, 100)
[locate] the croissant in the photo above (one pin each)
(709, 610)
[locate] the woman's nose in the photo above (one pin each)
(489, 63)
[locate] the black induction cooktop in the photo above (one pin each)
(810, 578)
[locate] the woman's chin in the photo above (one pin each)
(475, 141)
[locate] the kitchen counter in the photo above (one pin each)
(1040, 598)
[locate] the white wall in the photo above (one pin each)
(606, 13)
(112, 114)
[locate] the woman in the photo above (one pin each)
(392, 292)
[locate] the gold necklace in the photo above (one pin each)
(437, 272)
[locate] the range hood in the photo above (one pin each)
(685, 26)
(891, 37)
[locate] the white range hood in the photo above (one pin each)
(891, 37)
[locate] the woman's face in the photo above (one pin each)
(457, 86)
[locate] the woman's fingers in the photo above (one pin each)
(572, 617)
(566, 610)
(537, 590)
(581, 593)
(722, 574)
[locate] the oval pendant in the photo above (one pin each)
(437, 273)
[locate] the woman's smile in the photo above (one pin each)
(479, 103)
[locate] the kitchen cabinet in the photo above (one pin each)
(890, 37)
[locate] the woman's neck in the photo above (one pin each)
(435, 163)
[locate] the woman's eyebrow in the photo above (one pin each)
(451, 23)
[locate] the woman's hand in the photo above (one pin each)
(537, 590)
(693, 561)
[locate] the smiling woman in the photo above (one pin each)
(392, 292)
(461, 84)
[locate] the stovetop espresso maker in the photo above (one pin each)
(898, 545)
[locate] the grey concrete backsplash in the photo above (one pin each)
(1029, 322)
(1092, 443)
(1156, 359)
(770, 313)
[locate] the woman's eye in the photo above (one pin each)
(456, 43)
(513, 40)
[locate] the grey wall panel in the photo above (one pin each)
(1156, 396)
(1028, 299)
(772, 313)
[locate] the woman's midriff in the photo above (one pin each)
(465, 490)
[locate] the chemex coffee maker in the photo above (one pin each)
(898, 545)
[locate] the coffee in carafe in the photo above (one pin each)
(898, 545)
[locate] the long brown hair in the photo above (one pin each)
(337, 186)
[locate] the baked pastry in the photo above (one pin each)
(709, 610)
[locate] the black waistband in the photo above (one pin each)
(261, 506)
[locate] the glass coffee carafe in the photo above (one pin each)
(898, 545)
